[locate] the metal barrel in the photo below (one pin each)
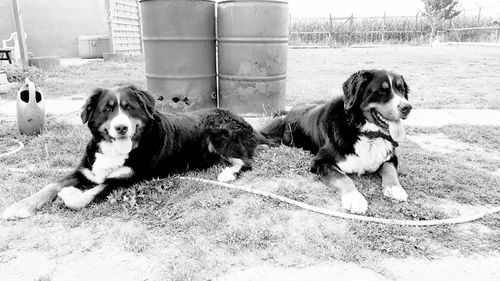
(252, 54)
(179, 53)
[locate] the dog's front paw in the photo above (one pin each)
(354, 202)
(226, 176)
(20, 210)
(395, 192)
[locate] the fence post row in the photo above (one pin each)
(382, 29)
(351, 22)
(330, 40)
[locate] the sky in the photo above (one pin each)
(343, 8)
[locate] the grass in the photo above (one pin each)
(432, 74)
(473, 146)
(192, 231)
(319, 74)
(204, 223)
(487, 137)
(79, 79)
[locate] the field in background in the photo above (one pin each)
(469, 26)
(438, 77)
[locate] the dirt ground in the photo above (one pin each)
(58, 244)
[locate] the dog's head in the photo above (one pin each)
(379, 97)
(119, 115)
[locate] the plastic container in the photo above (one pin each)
(30, 109)
(93, 46)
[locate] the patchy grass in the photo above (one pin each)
(473, 146)
(207, 229)
(487, 137)
(16, 73)
(82, 79)
(192, 231)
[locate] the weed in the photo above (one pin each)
(18, 73)
(43, 278)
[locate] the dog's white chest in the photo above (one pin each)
(107, 161)
(370, 154)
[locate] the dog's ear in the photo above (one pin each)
(406, 89)
(146, 100)
(90, 105)
(354, 87)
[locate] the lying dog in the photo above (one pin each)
(354, 134)
(131, 141)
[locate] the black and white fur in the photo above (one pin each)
(351, 134)
(131, 141)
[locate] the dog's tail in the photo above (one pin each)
(261, 140)
(274, 131)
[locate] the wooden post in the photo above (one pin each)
(479, 15)
(416, 26)
(109, 19)
(23, 50)
(350, 28)
(383, 29)
(331, 31)
(140, 25)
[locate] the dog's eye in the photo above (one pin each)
(108, 109)
(128, 107)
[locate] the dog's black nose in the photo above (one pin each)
(121, 129)
(405, 108)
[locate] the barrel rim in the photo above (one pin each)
(140, 1)
(181, 76)
(264, 1)
(252, 78)
(268, 40)
(178, 38)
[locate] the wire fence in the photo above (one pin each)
(469, 26)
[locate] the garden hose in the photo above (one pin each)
(461, 219)
(20, 146)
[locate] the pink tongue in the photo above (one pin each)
(396, 130)
(123, 145)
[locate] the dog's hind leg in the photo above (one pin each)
(76, 199)
(230, 173)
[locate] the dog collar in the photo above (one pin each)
(374, 135)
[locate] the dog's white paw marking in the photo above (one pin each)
(395, 192)
(123, 172)
(354, 202)
(226, 175)
(71, 197)
(19, 210)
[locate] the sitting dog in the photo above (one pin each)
(357, 133)
(131, 141)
